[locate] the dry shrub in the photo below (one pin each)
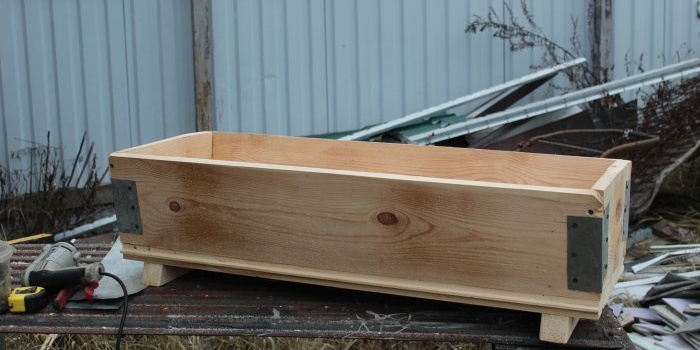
(48, 196)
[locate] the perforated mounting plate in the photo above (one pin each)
(626, 219)
(126, 205)
(587, 249)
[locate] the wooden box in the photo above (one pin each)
(534, 232)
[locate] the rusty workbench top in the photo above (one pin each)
(207, 303)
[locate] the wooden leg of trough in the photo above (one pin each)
(157, 275)
(557, 329)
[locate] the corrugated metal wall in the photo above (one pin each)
(660, 32)
(314, 66)
(269, 66)
(121, 69)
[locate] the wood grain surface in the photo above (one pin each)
(447, 162)
(193, 145)
(438, 291)
(157, 275)
(557, 329)
(611, 189)
(497, 235)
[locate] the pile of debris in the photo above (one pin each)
(658, 298)
(671, 324)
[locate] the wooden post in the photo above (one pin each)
(601, 33)
(201, 45)
(156, 275)
(557, 329)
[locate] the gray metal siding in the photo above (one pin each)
(313, 66)
(390, 58)
(662, 32)
(120, 69)
(269, 66)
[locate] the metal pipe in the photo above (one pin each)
(432, 111)
(650, 139)
(628, 146)
(671, 72)
(567, 145)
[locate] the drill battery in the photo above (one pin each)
(28, 299)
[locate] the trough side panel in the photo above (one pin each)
(453, 293)
(417, 230)
(442, 162)
(192, 145)
(617, 200)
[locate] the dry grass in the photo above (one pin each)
(79, 342)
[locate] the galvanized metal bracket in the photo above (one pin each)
(587, 251)
(126, 204)
(626, 214)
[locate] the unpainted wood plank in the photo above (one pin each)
(611, 189)
(193, 145)
(557, 329)
(453, 293)
(503, 241)
(466, 235)
(441, 162)
(618, 176)
(156, 275)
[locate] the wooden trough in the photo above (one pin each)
(515, 230)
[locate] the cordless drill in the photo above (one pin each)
(57, 270)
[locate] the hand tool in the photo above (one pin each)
(27, 299)
(57, 270)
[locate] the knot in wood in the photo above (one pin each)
(175, 206)
(387, 218)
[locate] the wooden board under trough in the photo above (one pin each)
(493, 228)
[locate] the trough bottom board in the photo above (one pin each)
(162, 267)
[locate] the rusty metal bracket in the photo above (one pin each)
(587, 251)
(126, 205)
